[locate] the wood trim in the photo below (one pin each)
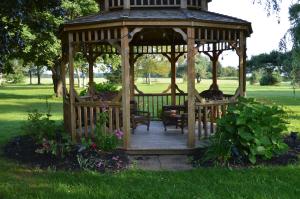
(157, 23)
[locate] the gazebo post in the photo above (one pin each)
(71, 90)
(191, 85)
(125, 86)
(91, 75)
(131, 63)
(242, 63)
(173, 75)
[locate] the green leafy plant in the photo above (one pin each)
(270, 79)
(102, 87)
(106, 141)
(249, 130)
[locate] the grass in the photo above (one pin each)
(17, 181)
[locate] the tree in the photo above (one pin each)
(29, 30)
(229, 71)
(153, 65)
(273, 62)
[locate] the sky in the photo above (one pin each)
(267, 32)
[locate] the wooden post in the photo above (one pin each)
(125, 86)
(204, 5)
(106, 5)
(126, 4)
(71, 82)
(242, 63)
(91, 61)
(183, 4)
(131, 63)
(173, 75)
(191, 86)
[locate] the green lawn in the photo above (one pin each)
(20, 182)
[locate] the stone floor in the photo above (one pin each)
(161, 162)
(158, 138)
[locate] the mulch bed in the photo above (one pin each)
(290, 157)
(23, 150)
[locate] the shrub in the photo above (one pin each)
(49, 136)
(255, 77)
(102, 87)
(249, 130)
(270, 79)
(40, 126)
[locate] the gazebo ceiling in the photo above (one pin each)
(157, 36)
(157, 16)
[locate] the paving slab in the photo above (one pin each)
(160, 162)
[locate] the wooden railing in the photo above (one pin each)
(207, 114)
(194, 4)
(87, 114)
(155, 3)
(113, 4)
(153, 103)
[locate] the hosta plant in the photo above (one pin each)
(248, 131)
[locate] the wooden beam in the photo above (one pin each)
(242, 63)
(71, 82)
(173, 75)
(191, 86)
(131, 63)
(125, 86)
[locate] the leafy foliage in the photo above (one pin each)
(270, 79)
(106, 141)
(102, 87)
(249, 130)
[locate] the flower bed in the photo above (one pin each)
(80, 157)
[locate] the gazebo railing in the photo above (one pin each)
(207, 114)
(87, 114)
(154, 102)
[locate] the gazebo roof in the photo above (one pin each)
(159, 15)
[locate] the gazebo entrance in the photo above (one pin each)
(156, 31)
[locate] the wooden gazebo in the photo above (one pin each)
(132, 28)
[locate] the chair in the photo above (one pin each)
(173, 115)
(138, 117)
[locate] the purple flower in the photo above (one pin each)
(115, 158)
(119, 134)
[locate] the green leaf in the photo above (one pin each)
(252, 159)
(260, 149)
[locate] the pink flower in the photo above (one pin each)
(119, 134)
(94, 146)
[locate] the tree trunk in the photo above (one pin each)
(57, 79)
(38, 73)
(149, 78)
(78, 77)
(30, 77)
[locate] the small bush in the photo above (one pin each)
(249, 130)
(255, 77)
(270, 79)
(40, 126)
(102, 87)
